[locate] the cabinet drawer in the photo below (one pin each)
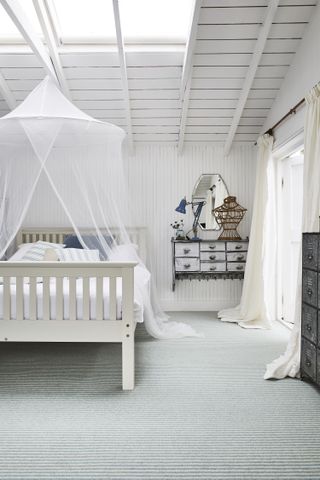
(236, 267)
(237, 256)
(237, 246)
(187, 264)
(213, 256)
(310, 250)
(213, 267)
(310, 287)
(212, 246)
(308, 359)
(187, 249)
(309, 322)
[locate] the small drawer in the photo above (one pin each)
(212, 246)
(213, 267)
(309, 322)
(310, 287)
(187, 264)
(236, 267)
(187, 249)
(236, 257)
(310, 250)
(308, 359)
(237, 246)
(213, 256)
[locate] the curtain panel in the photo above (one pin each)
(257, 303)
(288, 364)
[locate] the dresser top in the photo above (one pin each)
(176, 240)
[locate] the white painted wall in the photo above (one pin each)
(158, 179)
(302, 75)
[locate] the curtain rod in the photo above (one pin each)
(291, 112)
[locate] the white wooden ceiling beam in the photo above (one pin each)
(44, 21)
(187, 71)
(123, 70)
(20, 19)
(251, 72)
(6, 93)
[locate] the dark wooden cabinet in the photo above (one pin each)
(310, 313)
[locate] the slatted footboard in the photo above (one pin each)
(20, 328)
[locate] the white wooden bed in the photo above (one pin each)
(19, 328)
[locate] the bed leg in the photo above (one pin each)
(128, 363)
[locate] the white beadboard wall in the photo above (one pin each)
(158, 178)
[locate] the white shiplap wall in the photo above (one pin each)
(158, 179)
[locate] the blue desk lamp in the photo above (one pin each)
(181, 208)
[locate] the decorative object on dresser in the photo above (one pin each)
(310, 318)
(178, 227)
(209, 191)
(181, 208)
(228, 216)
(204, 260)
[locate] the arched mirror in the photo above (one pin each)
(211, 189)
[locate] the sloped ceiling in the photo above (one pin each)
(227, 33)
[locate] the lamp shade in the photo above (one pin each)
(181, 208)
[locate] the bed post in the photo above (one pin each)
(128, 329)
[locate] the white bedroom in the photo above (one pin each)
(159, 238)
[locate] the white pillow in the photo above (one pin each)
(17, 256)
(36, 252)
(78, 255)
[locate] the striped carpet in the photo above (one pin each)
(200, 410)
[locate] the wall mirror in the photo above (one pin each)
(211, 189)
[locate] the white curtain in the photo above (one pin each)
(259, 286)
(288, 364)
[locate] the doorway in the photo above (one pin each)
(290, 197)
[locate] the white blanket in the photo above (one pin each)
(138, 308)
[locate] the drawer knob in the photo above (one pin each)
(186, 250)
(213, 257)
(187, 265)
(309, 292)
(310, 256)
(238, 247)
(213, 268)
(212, 247)
(240, 267)
(308, 363)
(309, 328)
(240, 257)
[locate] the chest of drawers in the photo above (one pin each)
(310, 316)
(204, 260)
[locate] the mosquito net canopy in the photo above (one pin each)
(81, 159)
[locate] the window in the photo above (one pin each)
(290, 193)
(142, 21)
(9, 32)
(84, 20)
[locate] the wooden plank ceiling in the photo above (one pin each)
(226, 36)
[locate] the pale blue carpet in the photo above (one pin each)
(200, 410)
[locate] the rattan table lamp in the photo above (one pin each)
(228, 216)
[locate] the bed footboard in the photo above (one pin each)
(73, 329)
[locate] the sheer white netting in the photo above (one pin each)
(81, 158)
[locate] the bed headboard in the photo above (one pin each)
(138, 236)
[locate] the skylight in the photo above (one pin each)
(8, 30)
(85, 19)
(157, 21)
(142, 21)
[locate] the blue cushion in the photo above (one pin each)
(92, 242)
(72, 241)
